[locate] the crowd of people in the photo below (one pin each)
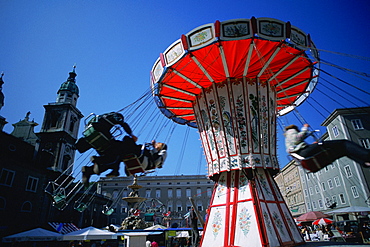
(348, 231)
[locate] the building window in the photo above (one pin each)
(209, 192)
(330, 184)
(336, 181)
(199, 192)
(348, 171)
(26, 207)
(188, 192)
(365, 143)
(169, 205)
(314, 205)
(334, 198)
(305, 193)
(179, 206)
(147, 193)
(323, 186)
(341, 198)
(317, 189)
(357, 125)
(158, 193)
(7, 177)
(115, 194)
(320, 203)
(354, 191)
(123, 210)
(327, 201)
(72, 123)
(335, 131)
(200, 208)
(178, 193)
(65, 162)
(170, 195)
(55, 116)
(125, 193)
(308, 206)
(310, 190)
(32, 184)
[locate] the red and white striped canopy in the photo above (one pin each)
(264, 50)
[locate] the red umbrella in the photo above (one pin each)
(322, 221)
(312, 216)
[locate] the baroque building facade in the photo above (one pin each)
(29, 161)
(170, 193)
(343, 183)
(289, 183)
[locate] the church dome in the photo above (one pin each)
(70, 84)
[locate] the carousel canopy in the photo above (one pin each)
(264, 50)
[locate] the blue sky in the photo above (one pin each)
(115, 44)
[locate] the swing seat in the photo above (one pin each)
(313, 163)
(59, 198)
(81, 207)
(133, 164)
(108, 211)
(61, 205)
(55, 192)
(96, 139)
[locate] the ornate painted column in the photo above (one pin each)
(237, 122)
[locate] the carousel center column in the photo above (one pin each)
(237, 125)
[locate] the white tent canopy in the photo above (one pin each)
(37, 234)
(352, 209)
(182, 234)
(156, 227)
(90, 233)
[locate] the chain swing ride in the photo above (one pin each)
(231, 80)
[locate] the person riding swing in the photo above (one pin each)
(316, 156)
(126, 150)
(98, 134)
(112, 152)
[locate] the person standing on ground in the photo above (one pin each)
(194, 227)
(154, 244)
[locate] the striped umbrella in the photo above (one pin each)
(322, 221)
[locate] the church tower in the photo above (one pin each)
(60, 127)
